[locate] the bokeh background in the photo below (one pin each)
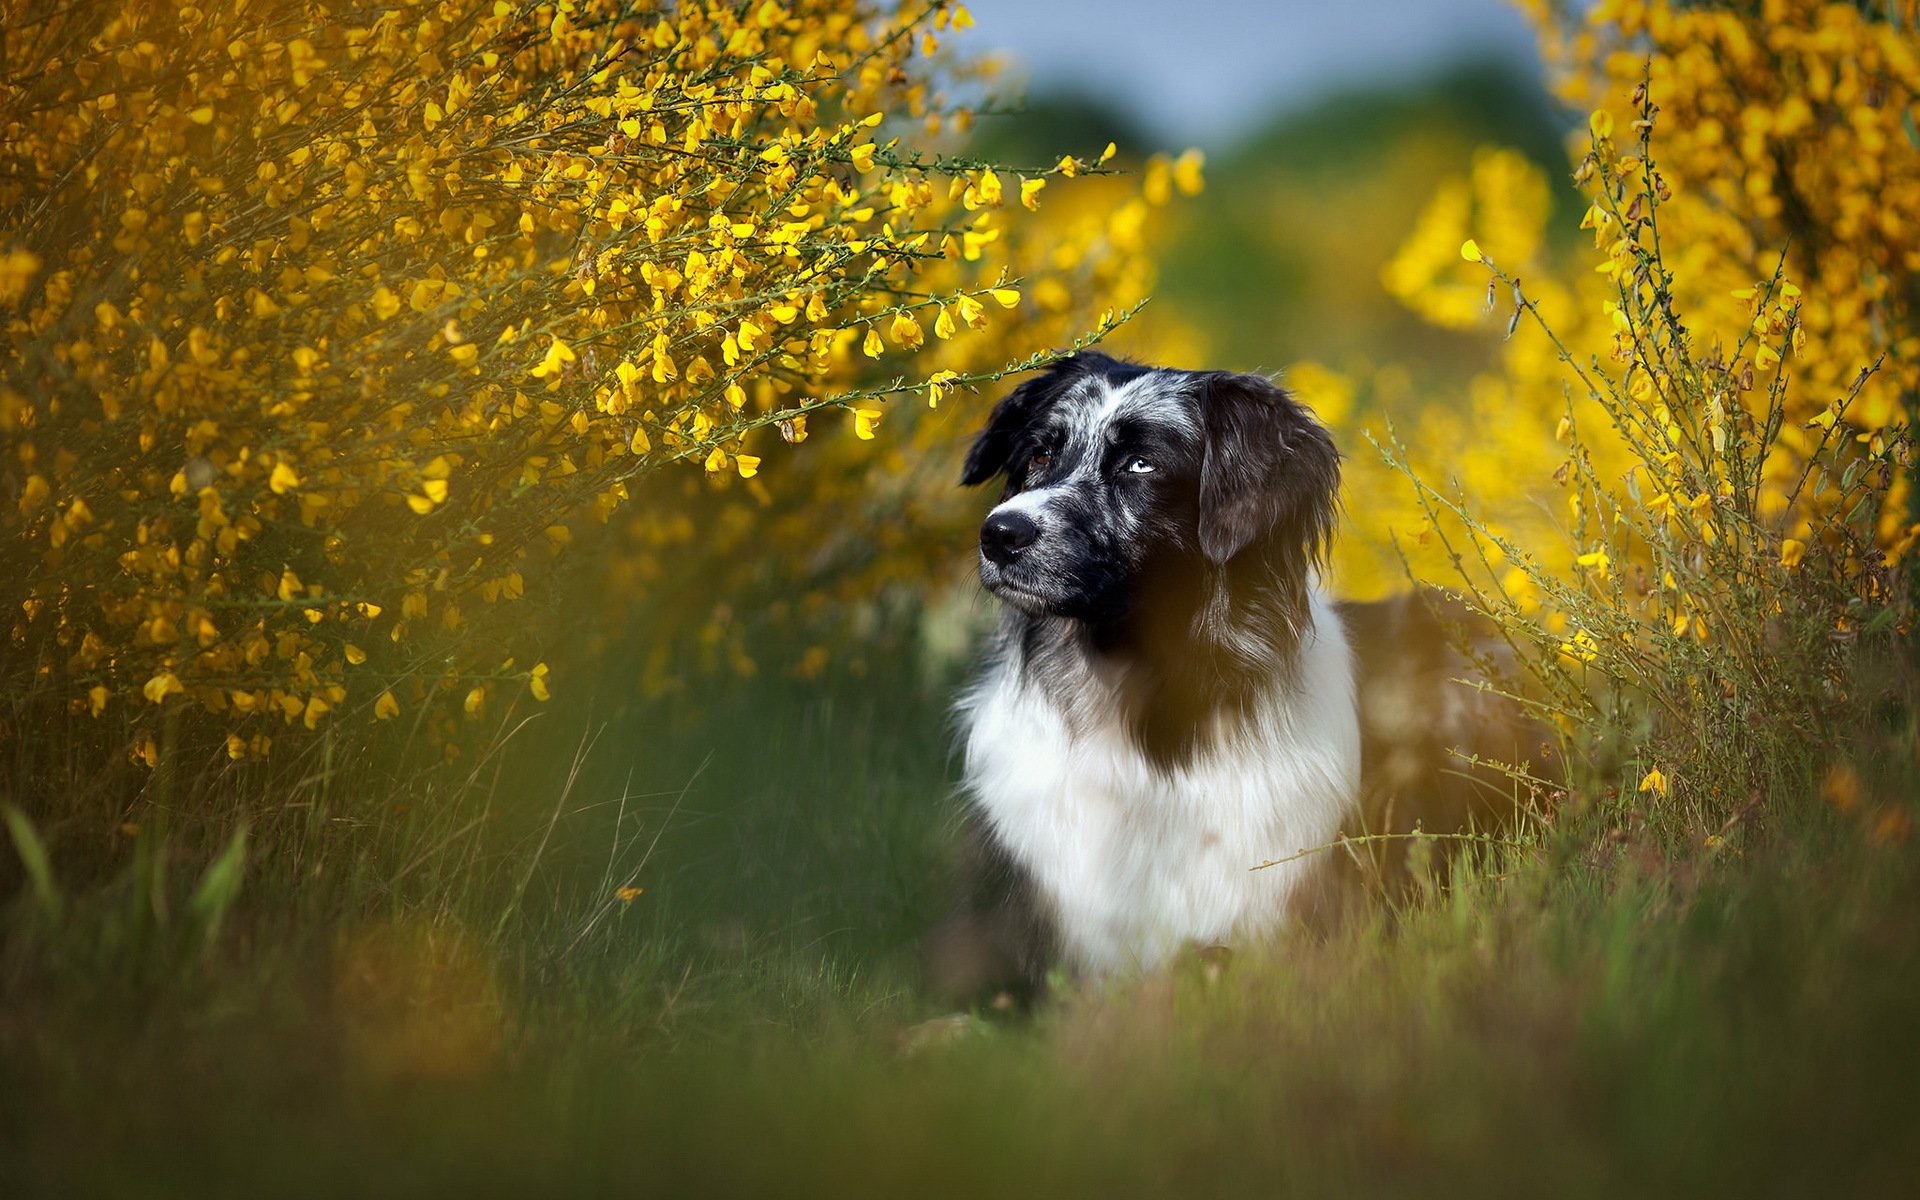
(591, 849)
(1309, 143)
(1328, 129)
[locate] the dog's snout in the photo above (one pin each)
(1006, 535)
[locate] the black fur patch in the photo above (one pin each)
(1016, 415)
(1190, 589)
(1001, 940)
(1178, 595)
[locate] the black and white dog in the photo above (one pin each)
(1171, 699)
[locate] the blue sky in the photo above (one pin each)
(1202, 71)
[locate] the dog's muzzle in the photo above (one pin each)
(1006, 536)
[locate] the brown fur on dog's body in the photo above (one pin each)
(1435, 747)
(1171, 701)
(1422, 722)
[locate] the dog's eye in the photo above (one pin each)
(1040, 461)
(1138, 466)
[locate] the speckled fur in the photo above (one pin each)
(1168, 701)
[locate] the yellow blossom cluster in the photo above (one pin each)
(1718, 396)
(1786, 145)
(782, 567)
(1504, 199)
(325, 326)
(1786, 126)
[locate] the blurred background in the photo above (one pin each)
(1328, 130)
(678, 870)
(1214, 74)
(1321, 157)
(804, 657)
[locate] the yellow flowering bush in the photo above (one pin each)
(1720, 397)
(325, 326)
(871, 527)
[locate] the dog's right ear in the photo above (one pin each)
(993, 450)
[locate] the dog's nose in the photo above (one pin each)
(1006, 535)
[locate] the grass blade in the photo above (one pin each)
(214, 895)
(33, 857)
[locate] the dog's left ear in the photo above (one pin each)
(1271, 473)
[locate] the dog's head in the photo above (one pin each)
(1131, 487)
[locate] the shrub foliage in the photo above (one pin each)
(325, 324)
(1719, 398)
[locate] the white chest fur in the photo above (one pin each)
(1134, 860)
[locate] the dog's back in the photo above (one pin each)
(1438, 741)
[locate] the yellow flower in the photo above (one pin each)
(865, 421)
(385, 303)
(34, 494)
(750, 336)
(1841, 788)
(1596, 562)
(985, 192)
(1581, 648)
(1792, 550)
(386, 707)
(316, 708)
(1187, 168)
(432, 493)
(937, 385)
(558, 355)
(537, 682)
(1470, 250)
(283, 479)
(1653, 781)
(905, 331)
(17, 268)
(872, 347)
(971, 311)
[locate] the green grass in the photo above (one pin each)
(402, 999)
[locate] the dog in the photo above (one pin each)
(1169, 699)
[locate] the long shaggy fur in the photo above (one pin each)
(1168, 701)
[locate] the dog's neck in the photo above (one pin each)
(1179, 684)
